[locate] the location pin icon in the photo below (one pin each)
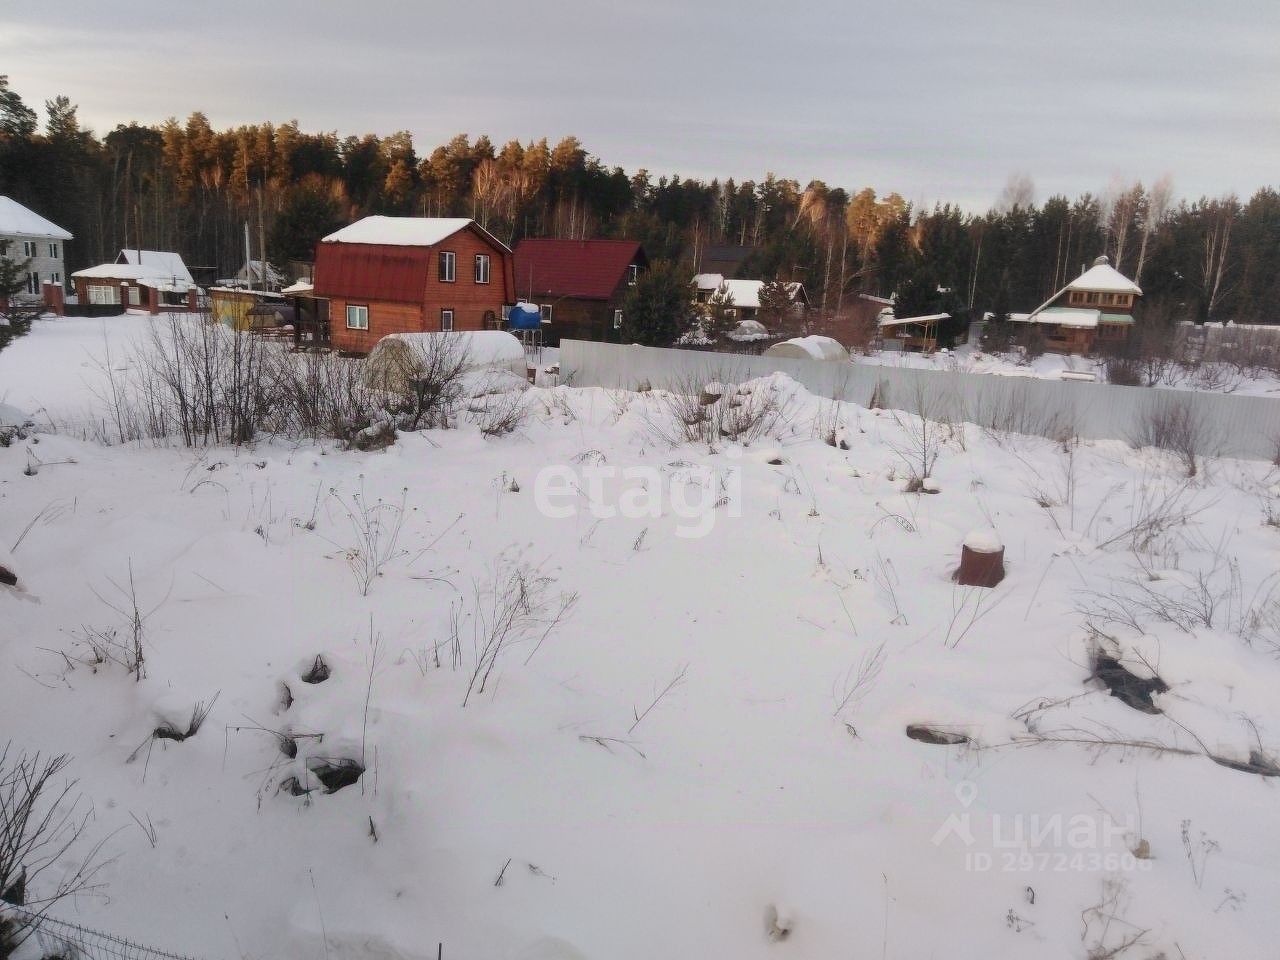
(966, 792)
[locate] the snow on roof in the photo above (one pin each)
(302, 286)
(812, 347)
(159, 263)
(927, 318)
(1067, 316)
(146, 274)
(745, 293)
(405, 231)
(18, 221)
(1104, 278)
(708, 281)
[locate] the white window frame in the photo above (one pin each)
(633, 274)
(135, 295)
(617, 319)
(100, 293)
(545, 310)
(361, 316)
(55, 278)
(447, 259)
(53, 251)
(28, 248)
(482, 268)
(33, 282)
(446, 319)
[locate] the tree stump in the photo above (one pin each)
(8, 577)
(981, 559)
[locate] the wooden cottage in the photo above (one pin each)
(1093, 310)
(151, 280)
(385, 275)
(578, 285)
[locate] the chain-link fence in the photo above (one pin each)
(71, 941)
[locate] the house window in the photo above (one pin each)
(446, 319)
(448, 265)
(53, 251)
(28, 248)
(545, 310)
(55, 278)
(617, 319)
(101, 295)
(33, 282)
(357, 317)
(633, 274)
(1092, 298)
(135, 296)
(482, 268)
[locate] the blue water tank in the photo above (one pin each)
(524, 316)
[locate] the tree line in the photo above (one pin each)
(189, 187)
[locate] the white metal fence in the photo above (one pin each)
(1231, 426)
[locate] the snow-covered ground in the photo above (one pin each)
(1052, 366)
(768, 804)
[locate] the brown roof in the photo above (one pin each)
(582, 269)
(372, 271)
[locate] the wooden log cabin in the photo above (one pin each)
(1093, 310)
(578, 285)
(384, 275)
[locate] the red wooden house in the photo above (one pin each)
(579, 285)
(385, 275)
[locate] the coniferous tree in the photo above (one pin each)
(657, 309)
(15, 317)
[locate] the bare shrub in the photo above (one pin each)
(325, 395)
(42, 827)
(1176, 425)
(518, 606)
(205, 383)
(375, 534)
(424, 375)
(1122, 371)
(1156, 511)
(498, 413)
(923, 437)
(707, 409)
(124, 644)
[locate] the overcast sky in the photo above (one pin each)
(938, 100)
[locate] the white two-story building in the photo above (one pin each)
(37, 241)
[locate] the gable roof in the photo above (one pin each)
(143, 274)
(1104, 278)
(582, 269)
(157, 263)
(407, 231)
(372, 271)
(1100, 278)
(19, 221)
